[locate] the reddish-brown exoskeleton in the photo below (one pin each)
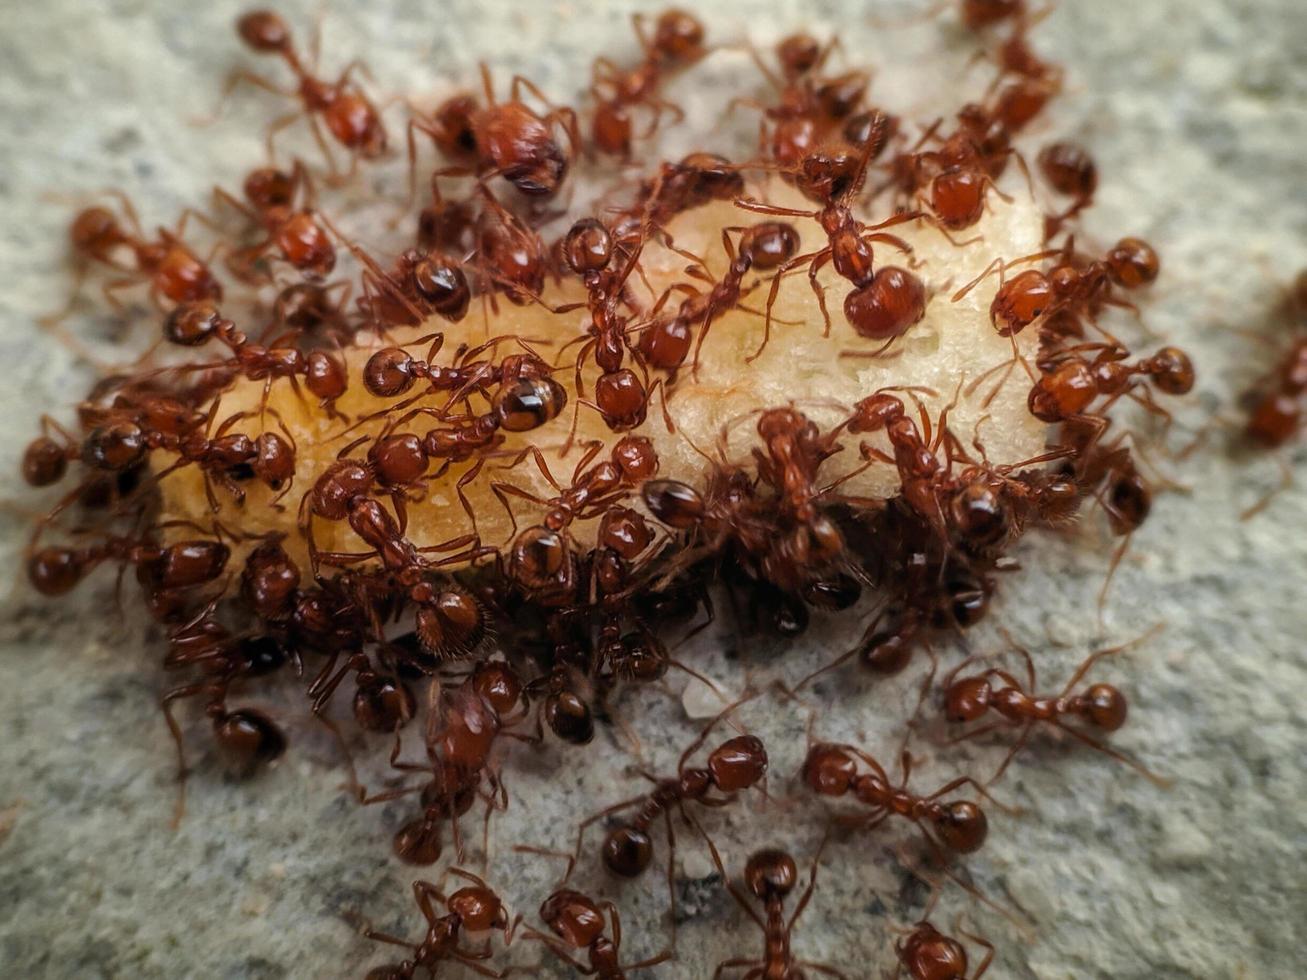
(341, 106)
(474, 909)
(676, 43)
(292, 228)
(1101, 706)
(885, 301)
(771, 875)
(927, 954)
(173, 272)
(578, 922)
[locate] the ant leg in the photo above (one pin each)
(1098, 655)
(1017, 746)
(969, 781)
(1093, 743)
(423, 893)
(726, 878)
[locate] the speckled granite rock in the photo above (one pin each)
(1197, 114)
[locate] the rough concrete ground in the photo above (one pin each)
(1197, 115)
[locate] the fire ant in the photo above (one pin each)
(1071, 171)
(515, 142)
(928, 954)
(177, 567)
(884, 302)
(1276, 415)
(349, 116)
(270, 202)
(737, 764)
(194, 324)
(458, 744)
(472, 909)
(537, 553)
(1102, 706)
(958, 827)
(677, 43)
(167, 264)
(771, 875)
(578, 922)
(809, 108)
(767, 245)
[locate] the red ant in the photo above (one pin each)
(958, 827)
(677, 43)
(810, 108)
(588, 251)
(536, 555)
(928, 954)
(767, 245)
(458, 744)
(349, 116)
(177, 567)
(472, 909)
(1102, 706)
(884, 302)
(1275, 416)
(515, 142)
(1071, 171)
(737, 764)
(172, 270)
(578, 922)
(295, 233)
(771, 876)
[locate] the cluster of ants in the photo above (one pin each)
(571, 625)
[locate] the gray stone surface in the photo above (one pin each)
(1197, 114)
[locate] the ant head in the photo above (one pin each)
(95, 231)
(967, 699)
(738, 763)
(829, 770)
(771, 874)
(962, 826)
(798, 55)
(496, 681)
(678, 36)
(192, 324)
(573, 917)
(268, 187)
(588, 247)
(479, 908)
(1106, 707)
(264, 31)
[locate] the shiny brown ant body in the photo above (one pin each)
(172, 270)
(474, 908)
(578, 923)
(771, 875)
(351, 119)
(959, 827)
(1101, 706)
(927, 954)
(885, 301)
(677, 43)
(293, 231)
